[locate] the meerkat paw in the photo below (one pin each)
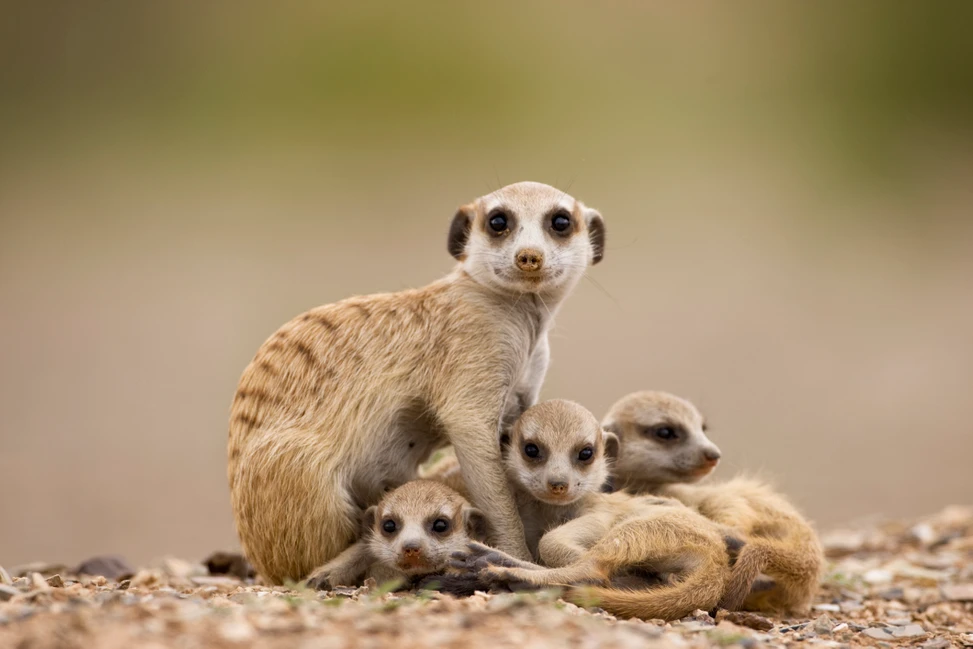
(515, 579)
(329, 580)
(478, 557)
(319, 581)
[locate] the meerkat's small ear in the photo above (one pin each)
(459, 231)
(477, 525)
(504, 444)
(596, 233)
(368, 518)
(611, 444)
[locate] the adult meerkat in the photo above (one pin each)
(411, 533)
(664, 447)
(648, 557)
(344, 401)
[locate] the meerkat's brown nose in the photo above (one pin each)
(411, 550)
(530, 260)
(712, 455)
(558, 488)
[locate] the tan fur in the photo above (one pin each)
(675, 559)
(346, 400)
(778, 540)
(779, 543)
(650, 461)
(415, 548)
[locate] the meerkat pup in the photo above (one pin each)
(663, 443)
(346, 400)
(411, 533)
(652, 557)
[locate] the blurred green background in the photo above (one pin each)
(787, 189)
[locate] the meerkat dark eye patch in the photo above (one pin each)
(498, 221)
(585, 454)
(440, 526)
(561, 222)
(532, 450)
(665, 433)
(389, 526)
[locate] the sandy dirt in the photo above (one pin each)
(888, 584)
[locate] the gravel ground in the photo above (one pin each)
(894, 583)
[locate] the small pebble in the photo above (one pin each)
(910, 631)
(958, 592)
(878, 634)
(936, 643)
(830, 608)
(823, 625)
(892, 593)
(877, 577)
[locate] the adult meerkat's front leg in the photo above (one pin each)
(482, 470)
(347, 569)
(528, 388)
(475, 436)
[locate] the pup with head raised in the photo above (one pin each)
(664, 448)
(643, 556)
(411, 533)
(556, 457)
(665, 442)
(346, 400)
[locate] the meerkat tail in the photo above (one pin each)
(794, 569)
(699, 590)
(750, 562)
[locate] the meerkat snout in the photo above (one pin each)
(557, 488)
(530, 260)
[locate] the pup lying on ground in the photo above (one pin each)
(663, 443)
(411, 533)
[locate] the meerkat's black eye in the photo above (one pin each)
(561, 222)
(531, 450)
(440, 525)
(666, 433)
(586, 454)
(389, 526)
(498, 222)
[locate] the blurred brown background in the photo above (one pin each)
(786, 187)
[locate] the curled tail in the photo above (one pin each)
(794, 567)
(700, 590)
(750, 562)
